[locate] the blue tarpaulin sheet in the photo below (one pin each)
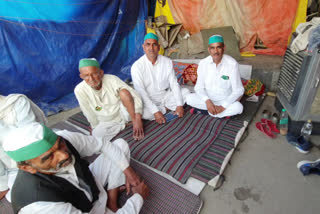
(42, 42)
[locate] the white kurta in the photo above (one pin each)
(157, 85)
(107, 168)
(221, 84)
(15, 110)
(103, 108)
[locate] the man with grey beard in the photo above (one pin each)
(53, 177)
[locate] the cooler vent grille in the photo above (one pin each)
(289, 74)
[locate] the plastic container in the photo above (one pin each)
(284, 122)
(306, 130)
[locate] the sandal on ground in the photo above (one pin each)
(272, 126)
(265, 129)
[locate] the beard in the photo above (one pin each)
(95, 86)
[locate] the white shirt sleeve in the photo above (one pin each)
(175, 87)
(85, 107)
(237, 87)
(3, 177)
(200, 86)
(89, 145)
(138, 79)
(132, 206)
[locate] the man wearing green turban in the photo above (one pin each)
(54, 178)
(219, 87)
(107, 102)
(154, 79)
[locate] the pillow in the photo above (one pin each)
(190, 74)
(186, 73)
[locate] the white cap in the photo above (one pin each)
(29, 141)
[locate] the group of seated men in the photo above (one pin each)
(108, 103)
(53, 177)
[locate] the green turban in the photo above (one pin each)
(89, 62)
(151, 36)
(216, 39)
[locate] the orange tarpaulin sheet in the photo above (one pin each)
(270, 20)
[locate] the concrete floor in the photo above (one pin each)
(262, 178)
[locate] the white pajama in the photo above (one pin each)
(106, 172)
(110, 129)
(107, 168)
(220, 83)
(157, 85)
(233, 109)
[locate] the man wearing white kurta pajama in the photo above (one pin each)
(219, 87)
(49, 156)
(154, 79)
(107, 102)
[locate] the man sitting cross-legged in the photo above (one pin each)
(107, 102)
(219, 87)
(154, 79)
(53, 177)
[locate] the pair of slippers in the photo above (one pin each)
(267, 127)
(266, 114)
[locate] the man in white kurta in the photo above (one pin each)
(111, 168)
(15, 110)
(154, 79)
(219, 87)
(107, 102)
